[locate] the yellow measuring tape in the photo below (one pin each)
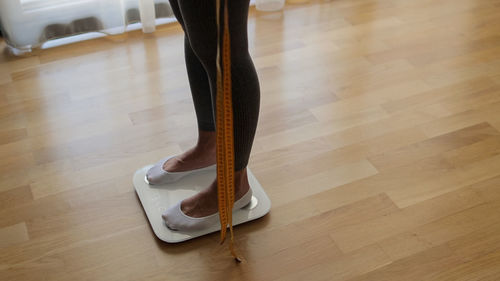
(224, 132)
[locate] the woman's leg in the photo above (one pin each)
(198, 80)
(200, 27)
(203, 153)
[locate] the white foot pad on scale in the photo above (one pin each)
(156, 199)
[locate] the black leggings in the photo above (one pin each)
(197, 18)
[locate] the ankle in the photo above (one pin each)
(206, 141)
(241, 181)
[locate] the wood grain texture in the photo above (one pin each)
(378, 144)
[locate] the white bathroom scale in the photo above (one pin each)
(156, 199)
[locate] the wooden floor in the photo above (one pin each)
(378, 144)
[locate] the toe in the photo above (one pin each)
(149, 180)
(171, 217)
(153, 176)
(168, 222)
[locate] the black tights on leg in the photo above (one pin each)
(197, 18)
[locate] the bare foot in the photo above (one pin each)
(205, 202)
(200, 156)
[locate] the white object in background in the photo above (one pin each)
(155, 199)
(269, 5)
(26, 23)
(147, 12)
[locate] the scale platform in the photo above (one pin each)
(156, 199)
